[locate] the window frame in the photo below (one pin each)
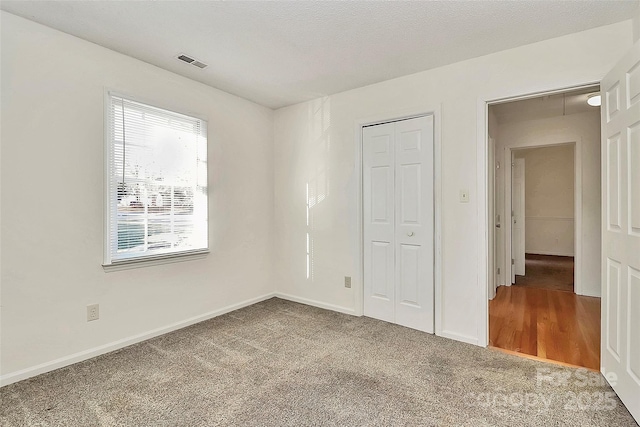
(146, 260)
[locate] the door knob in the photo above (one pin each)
(410, 233)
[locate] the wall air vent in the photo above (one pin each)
(192, 61)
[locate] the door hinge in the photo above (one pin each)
(498, 271)
(513, 261)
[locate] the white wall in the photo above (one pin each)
(52, 202)
(549, 199)
(583, 128)
(636, 25)
(458, 89)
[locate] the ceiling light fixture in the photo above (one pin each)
(595, 100)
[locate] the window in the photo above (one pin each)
(157, 183)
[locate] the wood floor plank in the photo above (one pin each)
(548, 272)
(550, 324)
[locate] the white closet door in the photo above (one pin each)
(414, 223)
(399, 221)
(378, 209)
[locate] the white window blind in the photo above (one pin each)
(157, 182)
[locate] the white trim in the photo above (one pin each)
(459, 337)
(552, 253)
(23, 374)
(315, 303)
(507, 208)
(492, 274)
(578, 286)
(482, 187)
(106, 178)
(549, 218)
(358, 234)
(110, 210)
(482, 135)
(128, 264)
(437, 188)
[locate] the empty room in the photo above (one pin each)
(286, 213)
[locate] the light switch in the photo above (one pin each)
(464, 196)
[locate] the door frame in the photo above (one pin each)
(492, 214)
(358, 235)
(512, 162)
(576, 142)
(482, 183)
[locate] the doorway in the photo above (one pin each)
(543, 238)
(545, 227)
(398, 222)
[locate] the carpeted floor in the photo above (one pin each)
(547, 272)
(279, 363)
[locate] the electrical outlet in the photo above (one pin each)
(93, 312)
(347, 281)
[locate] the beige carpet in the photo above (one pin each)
(279, 363)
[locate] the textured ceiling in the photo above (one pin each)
(281, 53)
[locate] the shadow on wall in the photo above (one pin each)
(318, 178)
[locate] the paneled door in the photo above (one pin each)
(398, 218)
(620, 116)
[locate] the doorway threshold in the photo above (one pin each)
(540, 359)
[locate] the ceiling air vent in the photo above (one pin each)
(192, 61)
(186, 59)
(199, 64)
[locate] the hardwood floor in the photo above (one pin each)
(549, 324)
(547, 272)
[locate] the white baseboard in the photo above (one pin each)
(459, 337)
(116, 345)
(315, 303)
(590, 294)
(554, 253)
(23, 374)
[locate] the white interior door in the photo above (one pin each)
(398, 222)
(414, 223)
(378, 143)
(620, 346)
(517, 220)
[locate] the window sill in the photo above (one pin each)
(155, 260)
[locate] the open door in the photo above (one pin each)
(517, 219)
(620, 361)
